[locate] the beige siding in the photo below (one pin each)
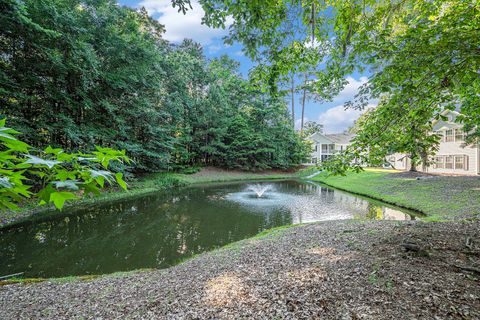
(447, 148)
(471, 165)
(457, 149)
(399, 161)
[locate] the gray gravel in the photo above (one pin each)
(329, 270)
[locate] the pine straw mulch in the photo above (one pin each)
(329, 270)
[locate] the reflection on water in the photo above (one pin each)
(160, 230)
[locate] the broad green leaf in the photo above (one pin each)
(63, 175)
(59, 197)
(39, 161)
(67, 184)
(120, 181)
(50, 150)
(16, 145)
(107, 175)
(91, 188)
(44, 194)
(5, 182)
(7, 136)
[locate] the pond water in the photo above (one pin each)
(160, 230)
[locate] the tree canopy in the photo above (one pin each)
(423, 57)
(78, 73)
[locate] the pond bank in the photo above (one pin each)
(441, 198)
(328, 270)
(148, 184)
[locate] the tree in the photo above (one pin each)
(312, 127)
(76, 74)
(377, 136)
(423, 55)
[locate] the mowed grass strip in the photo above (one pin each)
(439, 197)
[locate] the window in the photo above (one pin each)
(341, 148)
(449, 135)
(325, 157)
(449, 162)
(459, 162)
(438, 163)
(314, 160)
(324, 148)
(459, 135)
(331, 148)
(316, 148)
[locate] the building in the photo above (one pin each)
(453, 155)
(326, 145)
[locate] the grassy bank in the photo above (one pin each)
(148, 184)
(439, 197)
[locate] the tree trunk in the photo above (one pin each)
(413, 165)
(306, 77)
(293, 99)
(303, 103)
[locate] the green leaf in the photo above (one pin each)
(63, 175)
(6, 136)
(91, 188)
(59, 197)
(39, 161)
(44, 194)
(16, 145)
(5, 182)
(103, 174)
(50, 150)
(120, 181)
(67, 184)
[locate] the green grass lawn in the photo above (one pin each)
(440, 198)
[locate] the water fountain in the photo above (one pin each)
(260, 195)
(259, 189)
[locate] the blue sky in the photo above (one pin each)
(178, 26)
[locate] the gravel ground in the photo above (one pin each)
(329, 270)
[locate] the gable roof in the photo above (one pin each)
(440, 124)
(340, 138)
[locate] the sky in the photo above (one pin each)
(178, 27)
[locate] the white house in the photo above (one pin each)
(326, 145)
(453, 155)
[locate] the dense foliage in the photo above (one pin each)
(423, 57)
(80, 73)
(54, 175)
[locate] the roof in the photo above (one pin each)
(340, 138)
(440, 124)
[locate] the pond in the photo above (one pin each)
(160, 230)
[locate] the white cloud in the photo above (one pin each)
(214, 48)
(298, 122)
(337, 119)
(179, 26)
(350, 90)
